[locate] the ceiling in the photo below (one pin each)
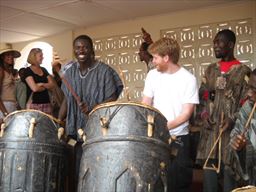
(23, 20)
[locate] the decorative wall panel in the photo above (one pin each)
(197, 43)
(121, 52)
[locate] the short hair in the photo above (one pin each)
(32, 55)
(166, 46)
(230, 35)
(84, 37)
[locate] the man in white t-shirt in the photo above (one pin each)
(173, 90)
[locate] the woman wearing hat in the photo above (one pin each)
(7, 81)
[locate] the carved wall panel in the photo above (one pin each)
(121, 52)
(197, 43)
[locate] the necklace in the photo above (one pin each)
(83, 76)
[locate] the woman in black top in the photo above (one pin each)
(38, 82)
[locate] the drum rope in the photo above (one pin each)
(113, 114)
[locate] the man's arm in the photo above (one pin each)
(187, 110)
(63, 110)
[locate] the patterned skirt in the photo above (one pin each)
(44, 107)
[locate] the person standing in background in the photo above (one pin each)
(222, 91)
(144, 55)
(21, 90)
(7, 81)
(38, 82)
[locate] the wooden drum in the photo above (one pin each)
(31, 153)
(126, 149)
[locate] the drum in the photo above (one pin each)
(126, 149)
(31, 153)
(248, 188)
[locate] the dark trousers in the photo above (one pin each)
(74, 157)
(180, 172)
(217, 182)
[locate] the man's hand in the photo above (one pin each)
(146, 36)
(238, 142)
(83, 108)
(56, 62)
(227, 124)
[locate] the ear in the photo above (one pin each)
(166, 58)
(231, 45)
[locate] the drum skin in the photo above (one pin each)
(126, 158)
(35, 164)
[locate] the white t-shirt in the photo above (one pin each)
(169, 92)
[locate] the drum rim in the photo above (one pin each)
(33, 110)
(113, 103)
(248, 187)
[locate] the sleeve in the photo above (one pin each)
(191, 92)
(205, 96)
(113, 84)
(64, 89)
(240, 121)
(28, 72)
(148, 88)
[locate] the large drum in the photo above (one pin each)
(125, 150)
(31, 153)
(248, 188)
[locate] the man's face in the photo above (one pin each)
(160, 62)
(221, 46)
(252, 88)
(83, 50)
(8, 58)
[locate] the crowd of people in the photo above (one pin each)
(223, 105)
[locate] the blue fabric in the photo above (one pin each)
(98, 85)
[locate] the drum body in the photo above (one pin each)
(248, 188)
(122, 154)
(31, 155)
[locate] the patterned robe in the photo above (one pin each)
(217, 98)
(242, 163)
(95, 87)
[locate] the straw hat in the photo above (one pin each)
(15, 53)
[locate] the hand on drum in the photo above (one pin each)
(238, 142)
